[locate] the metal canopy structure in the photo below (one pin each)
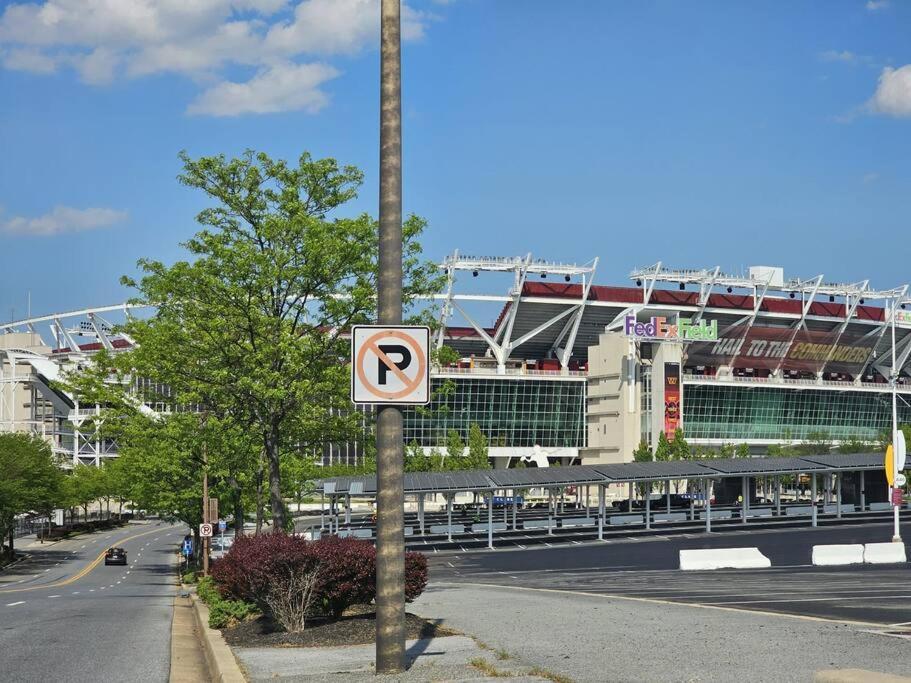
(621, 473)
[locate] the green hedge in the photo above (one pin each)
(222, 613)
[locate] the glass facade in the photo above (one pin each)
(738, 413)
(510, 412)
(645, 425)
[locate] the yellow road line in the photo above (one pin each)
(657, 601)
(85, 570)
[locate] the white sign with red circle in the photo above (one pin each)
(390, 364)
(205, 530)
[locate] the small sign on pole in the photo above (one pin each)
(900, 479)
(897, 497)
(205, 530)
(390, 364)
(222, 525)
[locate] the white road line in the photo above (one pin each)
(128, 571)
(118, 583)
(111, 586)
(451, 564)
(53, 596)
(91, 590)
(75, 592)
(48, 569)
(82, 546)
(13, 604)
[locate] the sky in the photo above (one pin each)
(694, 133)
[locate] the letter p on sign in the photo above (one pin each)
(390, 364)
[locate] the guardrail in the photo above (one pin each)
(789, 381)
(514, 372)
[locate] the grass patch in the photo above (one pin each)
(549, 675)
(503, 655)
(489, 669)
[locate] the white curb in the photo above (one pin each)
(723, 558)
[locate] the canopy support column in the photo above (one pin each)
(778, 496)
(490, 521)
(863, 493)
(707, 485)
(630, 506)
(600, 512)
(837, 479)
(421, 513)
(745, 499)
(813, 498)
(449, 499)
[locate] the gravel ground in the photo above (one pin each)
(598, 639)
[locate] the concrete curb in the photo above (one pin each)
(856, 676)
(223, 667)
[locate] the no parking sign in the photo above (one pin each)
(390, 364)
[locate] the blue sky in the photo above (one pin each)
(696, 133)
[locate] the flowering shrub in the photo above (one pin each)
(325, 576)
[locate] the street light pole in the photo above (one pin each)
(896, 534)
(390, 536)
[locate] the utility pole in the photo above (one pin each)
(205, 498)
(896, 533)
(390, 536)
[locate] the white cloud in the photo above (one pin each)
(893, 93)
(107, 40)
(876, 5)
(836, 56)
(63, 219)
(282, 87)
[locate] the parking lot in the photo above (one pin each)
(646, 570)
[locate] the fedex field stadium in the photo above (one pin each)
(554, 367)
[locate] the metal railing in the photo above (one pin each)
(791, 381)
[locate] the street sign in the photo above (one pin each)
(900, 479)
(187, 548)
(900, 450)
(213, 508)
(222, 525)
(390, 364)
(205, 530)
(897, 497)
(887, 465)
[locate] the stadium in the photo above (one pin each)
(559, 370)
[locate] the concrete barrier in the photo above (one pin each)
(355, 533)
(828, 555)
(618, 520)
(220, 660)
(671, 517)
(805, 510)
(832, 508)
(759, 512)
(537, 524)
(577, 521)
(718, 514)
(444, 529)
(856, 676)
(880, 507)
(723, 558)
(497, 526)
(884, 553)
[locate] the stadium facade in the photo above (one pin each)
(564, 369)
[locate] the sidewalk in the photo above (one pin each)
(450, 658)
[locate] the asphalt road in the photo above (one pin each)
(65, 616)
(646, 570)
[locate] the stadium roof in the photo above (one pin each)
(558, 477)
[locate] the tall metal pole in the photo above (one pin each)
(896, 534)
(390, 539)
(205, 501)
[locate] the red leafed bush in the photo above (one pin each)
(346, 573)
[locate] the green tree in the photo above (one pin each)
(643, 452)
(664, 450)
(680, 449)
(85, 486)
(455, 450)
(416, 460)
(478, 453)
(727, 450)
(742, 450)
(251, 326)
(30, 481)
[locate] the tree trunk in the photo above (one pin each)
(237, 496)
(12, 548)
(259, 495)
(275, 480)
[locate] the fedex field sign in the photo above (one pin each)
(660, 328)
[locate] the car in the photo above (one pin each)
(115, 556)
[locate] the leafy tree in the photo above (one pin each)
(815, 444)
(416, 460)
(742, 450)
(478, 454)
(251, 325)
(30, 481)
(664, 450)
(643, 452)
(84, 486)
(726, 450)
(680, 449)
(455, 448)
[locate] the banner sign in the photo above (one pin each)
(671, 399)
(660, 328)
(769, 347)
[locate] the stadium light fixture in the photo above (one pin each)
(682, 286)
(567, 278)
(638, 283)
(730, 289)
(831, 298)
(474, 273)
(543, 276)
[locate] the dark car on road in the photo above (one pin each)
(115, 556)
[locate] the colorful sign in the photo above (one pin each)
(671, 399)
(903, 316)
(660, 328)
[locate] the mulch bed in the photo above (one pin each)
(356, 627)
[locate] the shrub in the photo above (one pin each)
(222, 612)
(291, 578)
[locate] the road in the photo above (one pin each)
(647, 569)
(65, 616)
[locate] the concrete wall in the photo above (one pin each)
(613, 424)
